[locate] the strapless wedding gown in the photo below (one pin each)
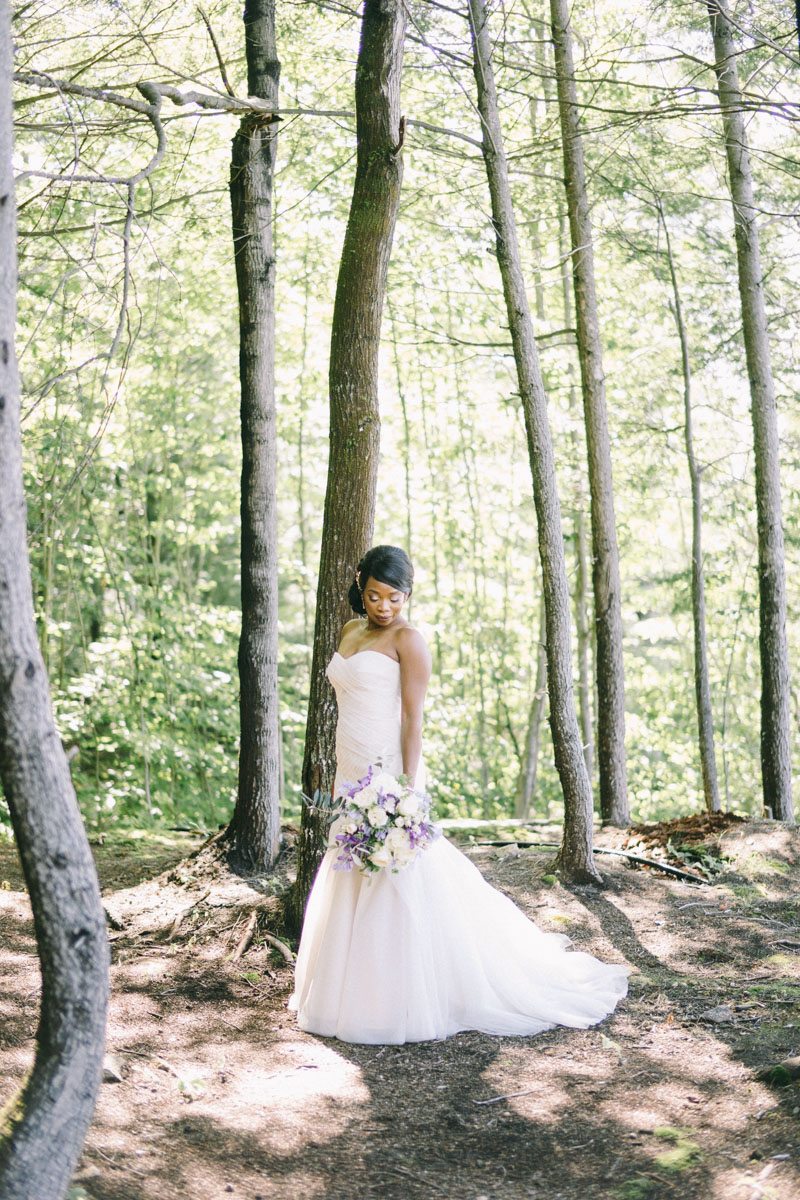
(387, 958)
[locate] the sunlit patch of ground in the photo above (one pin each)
(222, 1096)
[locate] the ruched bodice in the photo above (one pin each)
(367, 688)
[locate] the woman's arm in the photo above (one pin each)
(415, 671)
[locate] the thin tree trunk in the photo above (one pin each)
(354, 412)
(401, 392)
(255, 828)
(612, 771)
(776, 764)
(42, 1127)
(478, 572)
(423, 378)
(582, 628)
(575, 857)
(584, 637)
(702, 687)
(301, 449)
(526, 785)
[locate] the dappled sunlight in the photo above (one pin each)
(540, 1086)
(220, 1090)
(145, 970)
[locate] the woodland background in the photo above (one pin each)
(133, 456)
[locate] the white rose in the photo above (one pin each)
(381, 857)
(408, 804)
(398, 842)
(366, 797)
(386, 783)
(377, 816)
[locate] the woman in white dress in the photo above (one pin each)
(423, 952)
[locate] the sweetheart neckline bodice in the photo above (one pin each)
(347, 657)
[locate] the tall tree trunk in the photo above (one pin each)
(575, 857)
(302, 519)
(584, 638)
(354, 412)
(702, 687)
(526, 785)
(43, 1126)
(605, 557)
(776, 764)
(255, 828)
(401, 392)
(582, 629)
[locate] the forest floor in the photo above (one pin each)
(212, 1092)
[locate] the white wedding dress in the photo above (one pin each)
(432, 949)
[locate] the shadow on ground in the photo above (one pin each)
(221, 1095)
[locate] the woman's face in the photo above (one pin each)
(383, 602)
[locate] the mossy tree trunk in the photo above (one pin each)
(354, 411)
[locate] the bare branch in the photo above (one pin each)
(217, 51)
(205, 100)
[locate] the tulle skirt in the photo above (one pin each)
(433, 949)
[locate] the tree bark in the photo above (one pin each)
(776, 766)
(611, 766)
(354, 411)
(254, 831)
(526, 786)
(584, 638)
(43, 1126)
(582, 627)
(702, 686)
(575, 859)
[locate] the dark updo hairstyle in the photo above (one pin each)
(384, 564)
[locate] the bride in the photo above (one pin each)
(421, 953)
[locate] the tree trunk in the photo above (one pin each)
(354, 412)
(526, 787)
(584, 638)
(302, 519)
(575, 858)
(776, 766)
(43, 1126)
(582, 628)
(702, 687)
(605, 557)
(254, 831)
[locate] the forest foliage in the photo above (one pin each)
(129, 356)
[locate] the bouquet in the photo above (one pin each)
(383, 823)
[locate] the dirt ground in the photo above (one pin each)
(212, 1091)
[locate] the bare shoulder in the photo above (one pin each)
(350, 631)
(412, 649)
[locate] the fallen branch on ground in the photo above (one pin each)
(279, 945)
(247, 936)
(637, 858)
